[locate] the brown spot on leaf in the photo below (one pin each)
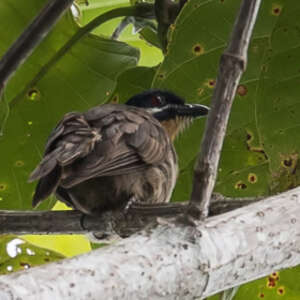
(161, 76)
(3, 186)
(198, 49)
(281, 291)
(211, 83)
(261, 295)
(275, 275)
(249, 136)
(19, 163)
(200, 91)
(271, 282)
(242, 90)
(252, 178)
(115, 99)
(276, 9)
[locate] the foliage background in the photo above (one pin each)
(260, 155)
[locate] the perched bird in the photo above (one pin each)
(113, 154)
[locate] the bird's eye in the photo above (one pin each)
(156, 101)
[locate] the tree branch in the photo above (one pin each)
(175, 262)
(74, 222)
(31, 37)
(232, 65)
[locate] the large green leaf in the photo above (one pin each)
(261, 149)
(131, 82)
(85, 76)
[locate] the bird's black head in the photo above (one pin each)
(171, 110)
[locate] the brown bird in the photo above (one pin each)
(113, 154)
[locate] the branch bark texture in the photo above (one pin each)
(232, 65)
(74, 222)
(174, 262)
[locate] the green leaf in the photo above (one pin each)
(84, 77)
(131, 82)
(260, 153)
(281, 285)
(17, 254)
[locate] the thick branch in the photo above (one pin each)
(232, 65)
(31, 37)
(176, 262)
(74, 222)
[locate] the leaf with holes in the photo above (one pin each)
(17, 254)
(261, 149)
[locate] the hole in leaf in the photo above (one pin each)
(33, 94)
(288, 162)
(240, 185)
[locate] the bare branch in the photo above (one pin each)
(232, 65)
(31, 37)
(175, 262)
(74, 222)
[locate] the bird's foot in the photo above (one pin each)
(132, 200)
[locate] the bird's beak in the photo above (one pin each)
(182, 117)
(192, 110)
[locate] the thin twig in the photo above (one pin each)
(232, 65)
(31, 37)
(74, 222)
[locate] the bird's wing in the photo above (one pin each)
(107, 140)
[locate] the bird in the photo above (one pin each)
(114, 155)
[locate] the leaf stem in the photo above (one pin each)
(31, 37)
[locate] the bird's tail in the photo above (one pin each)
(48, 172)
(72, 139)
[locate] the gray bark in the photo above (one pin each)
(75, 222)
(175, 262)
(232, 66)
